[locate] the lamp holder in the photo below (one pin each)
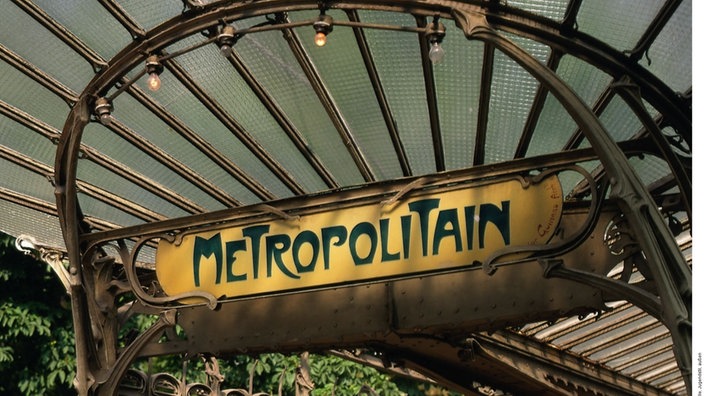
(103, 107)
(153, 65)
(323, 24)
(435, 32)
(226, 36)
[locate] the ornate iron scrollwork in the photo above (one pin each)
(138, 383)
(598, 192)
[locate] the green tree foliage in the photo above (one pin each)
(36, 335)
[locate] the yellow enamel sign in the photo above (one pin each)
(422, 234)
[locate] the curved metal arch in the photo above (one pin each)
(670, 270)
(654, 235)
(600, 55)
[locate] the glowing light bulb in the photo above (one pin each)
(154, 82)
(436, 53)
(321, 39)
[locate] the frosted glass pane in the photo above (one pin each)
(619, 23)
(98, 176)
(671, 53)
(457, 83)
(587, 81)
(554, 128)
(21, 139)
(113, 146)
(650, 168)
(24, 93)
(45, 228)
(91, 23)
(46, 51)
(619, 120)
(397, 57)
(353, 94)
(19, 179)
(269, 58)
(513, 92)
(553, 9)
(218, 78)
(148, 14)
(95, 208)
(139, 119)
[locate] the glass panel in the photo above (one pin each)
(619, 23)
(44, 50)
(216, 76)
(149, 14)
(554, 128)
(619, 120)
(553, 9)
(587, 81)
(19, 179)
(457, 83)
(513, 91)
(98, 176)
(45, 228)
(672, 49)
(143, 122)
(102, 139)
(397, 58)
(353, 94)
(653, 359)
(269, 58)
(91, 23)
(26, 141)
(94, 208)
(650, 168)
(638, 353)
(616, 331)
(595, 327)
(24, 93)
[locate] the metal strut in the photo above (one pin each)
(672, 276)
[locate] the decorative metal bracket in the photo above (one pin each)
(555, 268)
(28, 245)
(598, 193)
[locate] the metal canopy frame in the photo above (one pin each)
(444, 348)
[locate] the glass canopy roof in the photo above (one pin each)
(279, 117)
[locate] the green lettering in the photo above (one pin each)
(308, 237)
(205, 248)
(406, 235)
(384, 231)
(469, 225)
(500, 217)
(447, 217)
(423, 208)
(328, 233)
(231, 248)
(255, 234)
(364, 228)
(276, 245)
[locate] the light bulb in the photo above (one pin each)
(106, 119)
(154, 82)
(436, 53)
(225, 50)
(321, 39)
